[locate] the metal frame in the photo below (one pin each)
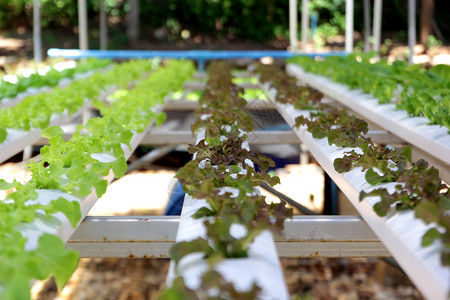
(152, 236)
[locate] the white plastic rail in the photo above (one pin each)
(17, 140)
(59, 225)
(432, 139)
(401, 233)
(262, 265)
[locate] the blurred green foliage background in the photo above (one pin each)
(259, 20)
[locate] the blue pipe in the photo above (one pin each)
(200, 55)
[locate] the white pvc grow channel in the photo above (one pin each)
(262, 265)
(64, 82)
(401, 233)
(17, 140)
(433, 139)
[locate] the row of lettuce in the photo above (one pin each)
(223, 173)
(417, 186)
(36, 111)
(50, 78)
(74, 167)
(413, 88)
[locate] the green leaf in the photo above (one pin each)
(69, 208)
(406, 152)
(318, 133)
(55, 259)
(203, 212)
(430, 236)
(17, 287)
(384, 205)
(119, 166)
(3, 134)
(178, 291)
(181, 249)
(100, 187)
(159, 118)
(374, 178)
(4, 185)
(428, 212)
(444, 203)
(52, 131)
(342, 165)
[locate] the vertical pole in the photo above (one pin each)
(349, 26)
(426, 20)
(305, 23)
(367, 26)
(37, 42)
(103, 27)
(82, 25)
(314, 20)
(133, 22)
(27, 152)
(293, 9)
(377, 24)
(411, 29)
(331, 201)
(304, 158)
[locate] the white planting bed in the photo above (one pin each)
(64, 82)
(262, 265)
(400, 233)
(432, 139)
(59, 225)
(17, 140)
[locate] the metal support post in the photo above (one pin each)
(367, 27)
(293, 9)
(305, 23)
(349, 26)
(103, 27)
(411, 29)
(82, 25)
(377, 24)
(37, 42)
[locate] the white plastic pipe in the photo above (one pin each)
(82, 25)
(293, 24)
(37, 42)
(103, 27)
(349, 26)
(377, 24)
(305, 23)
(411, 29)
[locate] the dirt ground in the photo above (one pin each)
(307, 278)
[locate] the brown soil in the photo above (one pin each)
(307, 278)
